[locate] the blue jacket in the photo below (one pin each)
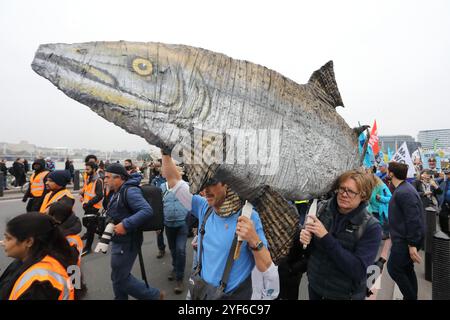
(158, 181)
(381, 175)
(445, 187)
(135, 213)
(382, 205)
(406, 216)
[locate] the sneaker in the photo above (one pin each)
(85, 252)
(179, 288)
(171, 276)
(161, 254)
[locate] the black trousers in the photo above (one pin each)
(34, 204)
(90, 221)
(444, 217)
(401, 269)
(289, 281)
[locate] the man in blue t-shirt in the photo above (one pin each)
(220, 229)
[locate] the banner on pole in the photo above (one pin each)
(402, 156)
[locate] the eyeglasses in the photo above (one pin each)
(350, 193)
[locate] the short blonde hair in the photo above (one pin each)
(364, 182)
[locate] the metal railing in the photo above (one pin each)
(10, 179)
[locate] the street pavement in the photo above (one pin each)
(96, 266)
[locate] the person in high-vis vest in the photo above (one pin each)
(42, 260)
(56, 183)
(89, 158)
(91, 197)
(36, 190)
(70, 226)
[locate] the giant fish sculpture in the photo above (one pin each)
(271, 139)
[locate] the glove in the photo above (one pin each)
(24, 199)
(166, 150)
(380, 263)
(85, 206)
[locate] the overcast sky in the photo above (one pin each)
(391, 58)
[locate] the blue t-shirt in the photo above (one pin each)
(219, 234)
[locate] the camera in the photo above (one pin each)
(103, 244)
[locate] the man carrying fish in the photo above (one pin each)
(220, 217)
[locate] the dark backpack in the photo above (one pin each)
(153, 195)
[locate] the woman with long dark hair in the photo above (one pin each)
(42, 256)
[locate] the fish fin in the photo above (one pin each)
(280, 221)
(360, 129)
(324, 79)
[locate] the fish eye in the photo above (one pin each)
(142, 67)
(81, 51)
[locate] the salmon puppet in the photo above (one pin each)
(270, 139)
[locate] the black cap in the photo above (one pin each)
(211, 182)
(60, 177)
(117, 168)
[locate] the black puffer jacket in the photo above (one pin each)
(71, 226)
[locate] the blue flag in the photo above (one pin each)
(369, 158)
(389, 154)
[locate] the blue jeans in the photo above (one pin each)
(160, 241)
(123, 256)
(177, 237)
(401, 269)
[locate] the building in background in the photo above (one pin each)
(428, 139)
(395, 142)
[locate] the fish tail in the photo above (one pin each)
(324, 79)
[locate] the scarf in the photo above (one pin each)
(230, 205)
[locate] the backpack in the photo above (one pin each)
(153, 196)
(175, 214)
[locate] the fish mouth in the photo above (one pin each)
(94, 86)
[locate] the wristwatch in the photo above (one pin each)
(258, 247)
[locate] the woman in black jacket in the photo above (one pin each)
(343, 239)
(35, 242)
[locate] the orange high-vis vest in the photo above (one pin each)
(75, 241)
(85, 179)
(89, 193)
(54, 197)
(37, 183)
(48, 269)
